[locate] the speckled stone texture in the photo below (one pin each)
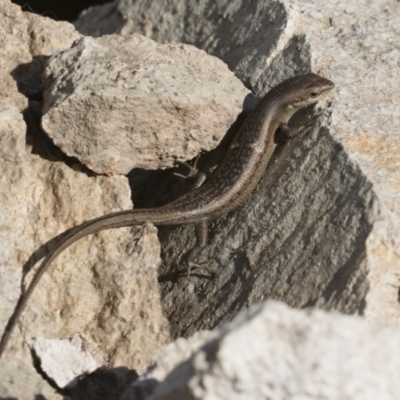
(123, 102)
(273, 352)
(105, 287)
(320, 230)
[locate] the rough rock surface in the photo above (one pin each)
(21, 65)
(322, 230)
(170, 357)
(118, 103)
(273, 352)
(64, 361)
(105, 287)
(48, 36)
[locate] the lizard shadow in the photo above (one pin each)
(173, 276)
(41, 252)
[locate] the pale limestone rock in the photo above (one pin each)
(170, 357)
(48, 36)
(326, 233)
(24, 36)
(273, 352)
(105, 287)
(363, 58)
(20, 380)
(64, 360)
(13, 52)
(118, 103)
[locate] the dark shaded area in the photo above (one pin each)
(35, 397)
(102, 384)
(42, 145)
(60, 10)
(38, 367)
(28, 77)
(156, 188)
(311, 253)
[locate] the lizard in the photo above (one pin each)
(227, 187)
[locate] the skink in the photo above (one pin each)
(234, 179)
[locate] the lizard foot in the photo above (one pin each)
(205, 266)
(192, 168)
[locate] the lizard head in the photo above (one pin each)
(299, 92)
(307, 89)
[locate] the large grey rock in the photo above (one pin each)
(104, 288)
(273, 352)
(323, 227)
(118, 103)
(168, 359)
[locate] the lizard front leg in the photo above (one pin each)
(286, 132)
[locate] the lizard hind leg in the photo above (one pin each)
(193, 171)
(202, 238)
(201, 228)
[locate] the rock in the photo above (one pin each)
(64, 360)
(168, 359)
(101, 20)
(104, 288)
(273, 352)
(48, 36)
(20, 380)
(322, 229)
(26, 41)
(118, 103)
(12, 54)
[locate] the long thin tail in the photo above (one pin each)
(116, 220)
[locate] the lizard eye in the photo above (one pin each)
(314, 94)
